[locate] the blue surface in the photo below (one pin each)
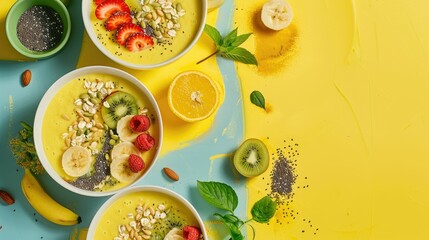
(20, 221)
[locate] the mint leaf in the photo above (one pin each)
(218, 194)
(213, 34)
(263, 210)
(240, 39)
(240, 55)
(258, 99)
(230, 38)
(227, 47)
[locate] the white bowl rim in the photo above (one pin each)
(86, 11)
(51, 92)
(147, 188)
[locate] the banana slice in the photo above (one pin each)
(76, 161)
(276, 14)
(124, 131)
(124, 148)
(120, 169)
(174, 234)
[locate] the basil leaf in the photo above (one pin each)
(240, 39)
(234, 231)
(263, 210)
(219, 195)
(230, 222)
(213, 34)
(229, 218)
(240, 55)
(230, 38)
(258, 99)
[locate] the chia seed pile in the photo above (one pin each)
(100, 172)
(282, 177)
(40, 28)
(283, 185)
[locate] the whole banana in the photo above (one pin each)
(44, 204)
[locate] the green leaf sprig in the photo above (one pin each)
(224, 197)
(23, 150)
(258, 99)
(228, 47)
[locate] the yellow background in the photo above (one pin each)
(349, 82)
(351, 87)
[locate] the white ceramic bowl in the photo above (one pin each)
(49, 95)
(86, 14)
(143, 190)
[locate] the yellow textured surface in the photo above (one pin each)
(348, 81)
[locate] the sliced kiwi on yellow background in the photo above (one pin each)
(120, 105)
(251, 158)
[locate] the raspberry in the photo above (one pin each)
(144, 142)
(139, 123)
(135, 163)
(191, 233)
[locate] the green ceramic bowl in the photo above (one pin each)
(15, 13)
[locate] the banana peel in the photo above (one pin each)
(44, 204)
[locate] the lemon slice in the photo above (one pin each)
(213, 4)
(193, 96)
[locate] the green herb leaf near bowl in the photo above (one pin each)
(227, 47)
(224, 197)
(22, 147)
(219, 195)
(264, 210)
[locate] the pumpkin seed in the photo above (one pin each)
(84, 96)
(95, 100)
(143, 24)
(179, 7)
(87, 114)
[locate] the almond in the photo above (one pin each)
(171, 174)
(26, 78)
(7, 198)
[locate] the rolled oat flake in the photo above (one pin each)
(40, 28)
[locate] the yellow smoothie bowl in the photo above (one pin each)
(144, 34)
(97, 130)
(147, 211)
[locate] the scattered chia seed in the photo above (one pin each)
(101, 169)
(40, 28)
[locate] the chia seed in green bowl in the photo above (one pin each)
(38, 28)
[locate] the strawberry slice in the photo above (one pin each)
(126, 30)
(110, 7)
(138, 42)
(116, 20)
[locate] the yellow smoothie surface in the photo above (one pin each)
(66, 124)
(164, 49)
(136, 209)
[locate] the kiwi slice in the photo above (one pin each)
(251, 158)
(120, 105)
(174, 219)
